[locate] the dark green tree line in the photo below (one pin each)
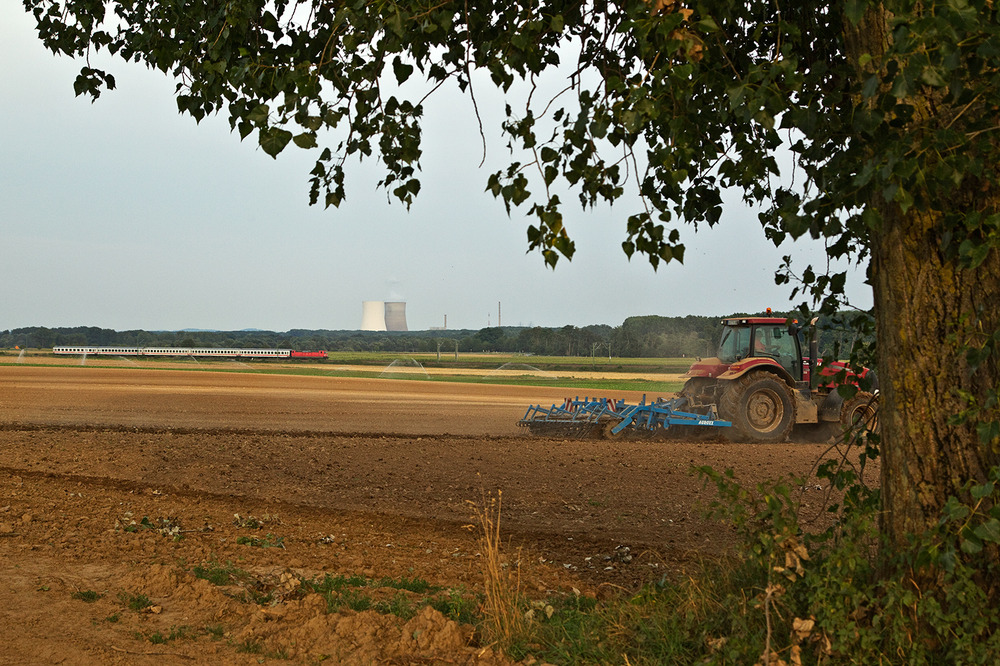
(671, 333)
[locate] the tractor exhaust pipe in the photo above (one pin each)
(813, 354)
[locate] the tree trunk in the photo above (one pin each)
(927, 308)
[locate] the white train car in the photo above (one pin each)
(96, 351)
(199, 352)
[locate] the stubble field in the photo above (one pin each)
(152, 515)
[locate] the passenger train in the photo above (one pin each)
(199, 352)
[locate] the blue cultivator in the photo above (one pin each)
(610, 418)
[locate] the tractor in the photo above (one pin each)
(762, 382)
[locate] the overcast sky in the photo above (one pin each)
(123, 214)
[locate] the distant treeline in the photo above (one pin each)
(649, 336)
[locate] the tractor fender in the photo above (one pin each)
(805, 408)
(740, 368)
(829, 408)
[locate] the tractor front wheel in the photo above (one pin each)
(761, 407)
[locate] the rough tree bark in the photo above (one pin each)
(927, 307)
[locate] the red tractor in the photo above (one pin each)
(763, 383)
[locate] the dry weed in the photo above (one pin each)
(504, 623)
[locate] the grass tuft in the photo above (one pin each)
(219, 574)
(136, 602)
(504, 624)
(88, 596)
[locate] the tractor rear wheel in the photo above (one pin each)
(761, 407)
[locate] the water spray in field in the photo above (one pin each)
(403, 367)
(517, 370)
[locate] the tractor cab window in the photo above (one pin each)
(777, 343)
(735, 344)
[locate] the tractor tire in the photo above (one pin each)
(761, 407)
(859, 415)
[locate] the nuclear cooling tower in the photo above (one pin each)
(395, 316)
(373, 316)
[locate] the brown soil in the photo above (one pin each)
(120, 481)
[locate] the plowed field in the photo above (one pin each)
(125, 485)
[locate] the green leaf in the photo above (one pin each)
(274, 140)
(972, 545)
(900, 86)
(973, 254)
(707, 24)
(519, 192)
(395, 23)
(870, 87)
(989, 432)
(954, 509)
(493, 184)
(735, 94)
(934, 76)
(989, 531)
(855, 10)
(979, 492)
(401, 70)
(305, 140)
(259, 115)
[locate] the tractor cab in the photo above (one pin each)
(760, 338)
(751, 342)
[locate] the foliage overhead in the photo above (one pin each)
(676, 102)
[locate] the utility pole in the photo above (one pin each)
(593, 351)
(498, 315)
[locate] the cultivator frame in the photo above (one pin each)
(586, 417)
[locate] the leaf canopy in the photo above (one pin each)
(676, 102)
